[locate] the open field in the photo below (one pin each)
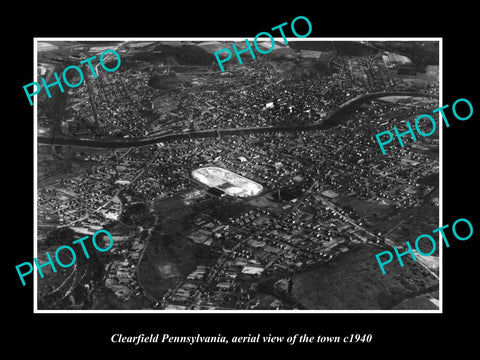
(169, 257)
(168, 260)
(364, 208)
(355, 282)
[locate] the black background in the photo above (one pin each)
(406, 334)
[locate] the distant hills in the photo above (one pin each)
(313, 56)
(346, 48)
(181, 53)
(422, 53)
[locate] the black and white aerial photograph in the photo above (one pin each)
(199, 182)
